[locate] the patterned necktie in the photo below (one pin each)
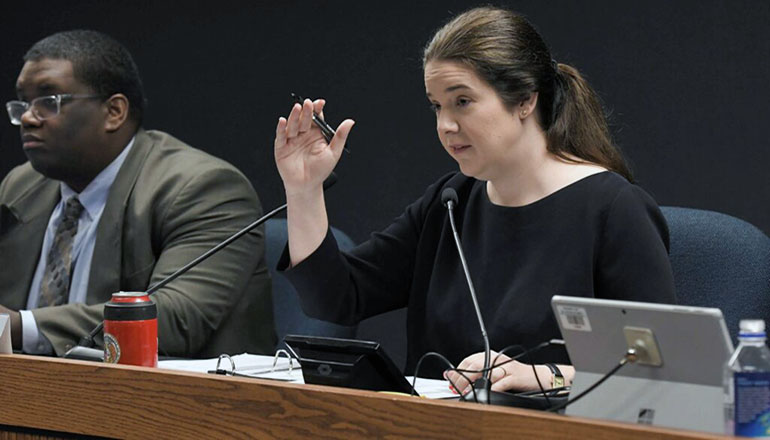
(55, 286)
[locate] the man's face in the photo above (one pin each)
(62, 146)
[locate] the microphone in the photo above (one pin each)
(483, 384)
(85, 351)
(449, 200)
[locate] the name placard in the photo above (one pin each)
(5, 334)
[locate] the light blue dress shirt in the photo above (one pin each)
(93, 198)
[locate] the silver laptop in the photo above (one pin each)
(679, 382)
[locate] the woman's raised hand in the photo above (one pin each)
(302, 155)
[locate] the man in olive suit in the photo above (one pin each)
(104, 206)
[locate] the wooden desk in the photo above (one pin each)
(84, 398)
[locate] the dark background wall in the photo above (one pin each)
(687, 85)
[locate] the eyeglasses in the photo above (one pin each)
(43, 107)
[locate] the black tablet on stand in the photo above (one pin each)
(347, 363)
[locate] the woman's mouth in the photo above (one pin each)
(456, 149)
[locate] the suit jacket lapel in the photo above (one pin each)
(106, 264)
(23, 222)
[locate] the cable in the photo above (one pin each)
(630, 356)
(527, 353)
(461, 372)
(529, 358)
(446, 361)
(518, 356)
(524, 352)
(553, 392)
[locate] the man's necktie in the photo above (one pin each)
(55, 286)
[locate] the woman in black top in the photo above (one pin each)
(545, 207)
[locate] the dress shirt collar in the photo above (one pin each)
(94, 196)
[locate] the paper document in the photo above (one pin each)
(260, 366)
(251, 365)
(432, 388)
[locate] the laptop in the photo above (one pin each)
(678, 383)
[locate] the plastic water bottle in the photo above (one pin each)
(747, 383)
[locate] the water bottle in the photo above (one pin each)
(747, 383)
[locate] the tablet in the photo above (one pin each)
(347, 363)
(679, 387)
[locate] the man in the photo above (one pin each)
(104, 206)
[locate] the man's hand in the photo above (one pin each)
(15, 326)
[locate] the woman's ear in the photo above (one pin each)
(526, 107)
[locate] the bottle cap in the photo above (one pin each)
(752, 326)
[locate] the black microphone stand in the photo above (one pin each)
(482, 387)
(483, 384)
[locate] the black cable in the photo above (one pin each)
(553, 392)
(525, 352)
(623, 361)
(529, 358)
(446, 361)
(518, 356)
(528, 351)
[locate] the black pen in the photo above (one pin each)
(326, 130)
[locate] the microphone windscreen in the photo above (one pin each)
(330, 181)
(449, 195)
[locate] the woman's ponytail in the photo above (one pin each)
(578, 127)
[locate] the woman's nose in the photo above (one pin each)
(446, 124)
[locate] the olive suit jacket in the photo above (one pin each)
(169, 203)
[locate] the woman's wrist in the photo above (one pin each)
(569, 374)
(544, 376)
(553, 376)
(303, 193)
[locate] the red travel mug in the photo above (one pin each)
(131, 330)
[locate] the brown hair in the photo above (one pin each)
(504, 49)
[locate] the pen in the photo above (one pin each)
(286, 377)
(327, 131)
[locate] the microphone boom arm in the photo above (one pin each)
(487, 370)
(88, 341)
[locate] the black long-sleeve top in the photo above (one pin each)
(598, 237)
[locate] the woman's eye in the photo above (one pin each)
(462, 102)
(435, 107)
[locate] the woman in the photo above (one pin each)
(545, 207)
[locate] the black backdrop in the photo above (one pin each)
(686, 84)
